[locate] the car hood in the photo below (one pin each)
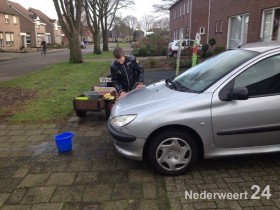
(151, 96)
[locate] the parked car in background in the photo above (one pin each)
(227, 105)
(86, 42)
(186, 47)
(83, 45)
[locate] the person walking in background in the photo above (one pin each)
(126, 73)
(44, 47)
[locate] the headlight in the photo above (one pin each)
(123, 120)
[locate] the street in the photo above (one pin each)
(13, 65)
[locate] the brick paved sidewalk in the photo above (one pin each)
(95, 177)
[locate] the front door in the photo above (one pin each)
(255, 121)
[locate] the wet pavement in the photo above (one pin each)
(33, 175)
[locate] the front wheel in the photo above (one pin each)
(173, 152)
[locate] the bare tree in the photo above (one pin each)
(163, 7)
(69, 14)
(132, 22)
(146, 22)
(108, 9)
(93, 21)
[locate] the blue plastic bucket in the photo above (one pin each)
(64, 141)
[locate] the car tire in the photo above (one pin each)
(173, 152)
(174, 54)
(81, 114)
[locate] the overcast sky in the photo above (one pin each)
(141, 7)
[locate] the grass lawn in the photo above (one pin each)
(54, 88)
(108, 54)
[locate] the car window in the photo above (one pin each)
(261, 79)
(203, 75)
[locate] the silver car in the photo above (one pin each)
(228, 105)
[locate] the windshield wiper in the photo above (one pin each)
(171, 84)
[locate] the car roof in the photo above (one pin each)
(261, 46)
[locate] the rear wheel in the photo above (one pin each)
(173, 152)
(174, 54)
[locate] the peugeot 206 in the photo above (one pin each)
(227, 105)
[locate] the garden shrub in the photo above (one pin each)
(142, 52)
(218, 50)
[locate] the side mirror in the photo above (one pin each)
(240, 93)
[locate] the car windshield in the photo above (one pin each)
(200, 77)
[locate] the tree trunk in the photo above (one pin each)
(75, 49)
(105, 40)
(96, 42)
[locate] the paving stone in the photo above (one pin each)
(37, 138)
(17, 138)
(205, 205)
(34, 180)
(3, 198)
(93, 133)
(141, 176)
(55, 166)
(86, 178)
(105, 164)
(4, 138)
(14, 127)
(112, 177)
(47, 126)
(149, 204)
(3, 132)
(8, 185)
(98, 192)
(15, 132)
(21, 172)
(80, 165)
(51, 131)
(34, 132)
(21, 153)
(68, 194)
(17, 195)
(4, 153)
(127, 191)
(48, 206)
(38, 195)
(60, 179)
(16, 207)
(121, 204)
(149, 190)
(6, 145)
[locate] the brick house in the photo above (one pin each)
(32, 30)
(9, 28)
(231, 23)
(53, 33)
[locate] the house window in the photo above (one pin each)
(216, 27)
(175, 13)
(184, 8)
(40, 38)
(1, 40)
(14, 19)
(188, 7)
(238, 30)
(271, 25)
(221, 26)
(28, 38)
(202, 30)
(9, 39)
(7, 19)
(180, 10)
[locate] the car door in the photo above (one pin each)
(255, 121)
